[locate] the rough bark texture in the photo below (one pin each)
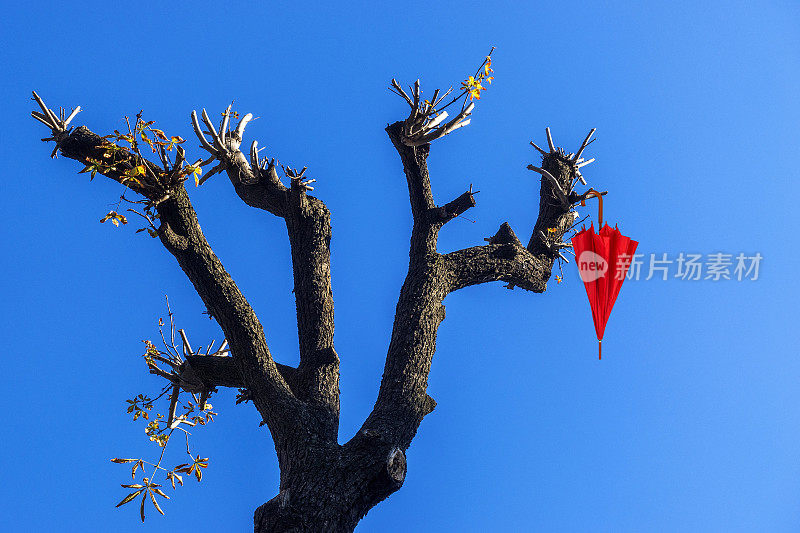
(324, 485)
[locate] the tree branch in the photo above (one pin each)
(309, 229)
(308, 223)
(402, 399)
(424, 233)
(556, 198)
(204, 372)
(272, 396)
(454, 208)
(256, 186)
(181, 235)
(83, 145)
(503, 259)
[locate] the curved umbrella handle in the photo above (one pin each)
(599, 195)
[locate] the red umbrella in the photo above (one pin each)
(603, 260)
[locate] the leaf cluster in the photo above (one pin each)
(190, 413)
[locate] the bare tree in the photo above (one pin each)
(324, 485)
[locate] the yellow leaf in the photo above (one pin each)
(139, 463)
(197, 171)
(172, 476)
(153, 498)
(129, 497)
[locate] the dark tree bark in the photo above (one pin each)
(324, 485)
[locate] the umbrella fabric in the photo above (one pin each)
(603, 260)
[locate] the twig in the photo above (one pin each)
(255, 166)
(196, 125)
(173, 402)
(41, 118)
(72, 115)
(222, 346)
(239, 133)
(584, 144)
(186, 346)
(211, 131)
(556, 186)
(223, 128)
(539, 149)
(58, 127)
(550, 140)
(399, 91)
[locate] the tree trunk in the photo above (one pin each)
(331, 488)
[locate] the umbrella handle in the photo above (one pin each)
(599, 195)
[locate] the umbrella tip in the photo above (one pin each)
(599, 349)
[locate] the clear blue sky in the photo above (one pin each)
(690, 423)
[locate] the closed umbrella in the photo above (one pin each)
(603, 259)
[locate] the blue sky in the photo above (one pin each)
(690, 422)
